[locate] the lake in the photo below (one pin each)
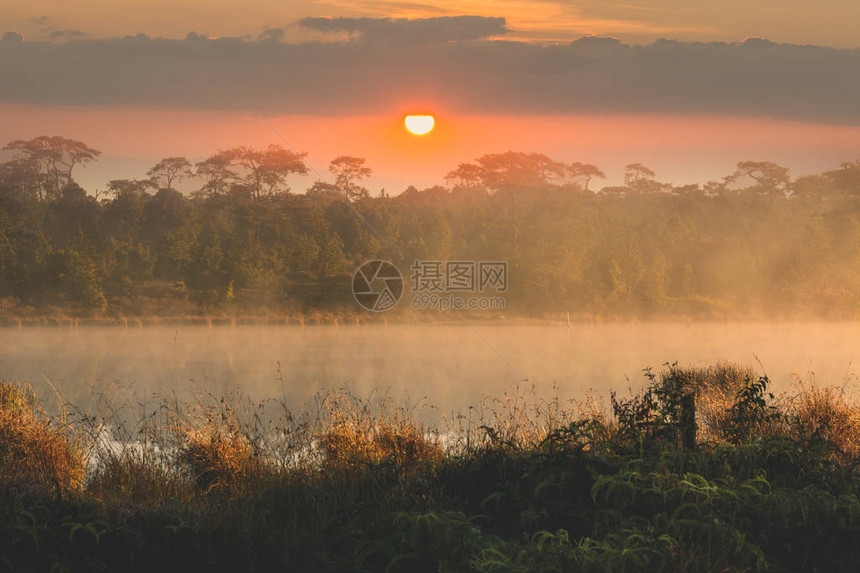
(449, 366)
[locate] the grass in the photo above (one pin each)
(704, 470)
(36, 451)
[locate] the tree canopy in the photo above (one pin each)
(237, 238)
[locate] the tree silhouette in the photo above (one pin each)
(466, 175)
(510, 170)
(168, 170)
(768, 176)
(117, 187)
(53, 158)
(579, 172)
(641, 179)
(262, 173)
(348, 170)
(216, 174)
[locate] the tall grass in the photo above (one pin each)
(703, 470)
(37, 451)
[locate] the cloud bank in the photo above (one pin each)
(457, 63)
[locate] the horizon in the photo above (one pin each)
(337, 79)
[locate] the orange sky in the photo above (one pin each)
(359, 69)
(681, 149)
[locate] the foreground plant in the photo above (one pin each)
(36, 450)
(703, 470)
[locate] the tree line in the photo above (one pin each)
(243, 242)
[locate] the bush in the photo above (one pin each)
(218, 453)
(35, 450)
(825, 416)
(357, 436)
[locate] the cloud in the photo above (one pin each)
(66, 34)
(13, 37)
(272, 35)
(452, 62)
(423, 30)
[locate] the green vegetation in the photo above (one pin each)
(704, 470)
(239, 243)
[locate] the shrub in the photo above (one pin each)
(824, 415)
(35, 452)
(356, 435)
(716, 387)
(217, 453)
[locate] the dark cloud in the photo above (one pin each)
(271, 35)
(443, 29)
(13, 37)
(66, 34)
(444, 60)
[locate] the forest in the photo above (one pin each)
(239, 241)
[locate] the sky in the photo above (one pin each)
(686, 88)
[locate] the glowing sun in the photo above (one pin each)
(419, 124)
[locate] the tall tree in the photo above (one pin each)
(118, 187)
(55, 158)
(262, 173)
(216, 174)
(768, 176)
(583, 172)
(348, 171)
(514, 169)
(467, 175)
(641, 179)
(168, 170)
(509, 170)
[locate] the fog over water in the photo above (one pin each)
(447, 366)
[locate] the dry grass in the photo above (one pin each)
(225, 446)
(359, 433)
(812, 413)
(825, 415)
(716, 388)
(218, 453)
(35, 451)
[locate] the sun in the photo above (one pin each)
(419, 124)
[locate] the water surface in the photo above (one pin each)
(447, 366)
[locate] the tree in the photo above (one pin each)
(579, 172)
(53, 158)
(168, 170)
(20, 178)
(847, 177)
(517, 169)
(331, 256)
(768, 176)
(467, 175)
(216, 174)
(636, 172)
(509, 170)
(641, 179)
(262, 173)
(348, 171)
(118, 187)
(324, 194)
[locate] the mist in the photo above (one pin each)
(441, 368)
